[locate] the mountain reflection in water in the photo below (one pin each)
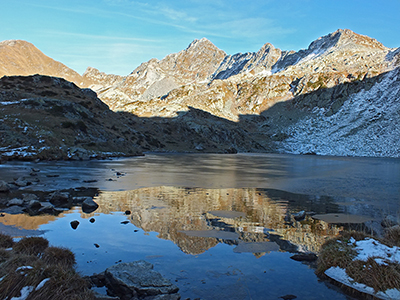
(172, 212)
(218, 226)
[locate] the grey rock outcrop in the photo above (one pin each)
(138, 280)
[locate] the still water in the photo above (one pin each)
(218, 226)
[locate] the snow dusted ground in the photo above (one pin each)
(368, 248)
(368, 124)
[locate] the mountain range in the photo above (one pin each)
(340, 96)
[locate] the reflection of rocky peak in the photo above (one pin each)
(19, 57)
(170, 210)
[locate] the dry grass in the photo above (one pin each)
(339, 253)
(51, 263)
(6, 241)
(60, 256)
(379, 277)
(31, 245)
(392, 237)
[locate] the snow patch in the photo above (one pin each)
(26, 290)
(41, 284)
(372, 248)
(340, 275)
(367, 124)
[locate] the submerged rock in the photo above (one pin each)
(138, 280)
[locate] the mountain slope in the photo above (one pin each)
(367, 124)
(340, 96)
(156, 78)
(19, 57)
(231, 85)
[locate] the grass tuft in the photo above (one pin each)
(40, 262)
(6, 241)
(31, 245)
(58, 255)
(339, 252)
(392, 236)
(380, 277)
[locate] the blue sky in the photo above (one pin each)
(115, 36)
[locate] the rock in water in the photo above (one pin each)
(74, 224)
(89, 206)
(138, 279)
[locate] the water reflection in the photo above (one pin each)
(211, 242)
(190, 216)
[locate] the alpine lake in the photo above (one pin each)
(217, 226)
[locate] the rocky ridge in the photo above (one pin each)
(19, 57)
(319, 100)
(250, 83)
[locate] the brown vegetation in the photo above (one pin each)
(41, 271)
(339, 252)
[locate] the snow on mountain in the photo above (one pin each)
(368, 124)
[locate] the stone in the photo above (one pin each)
(138, 279)
(74, 224)
(89, 206)
(61, 199)
(48, 208)
(15, 201)
(22, 182)
(99, 296)
(29, 197)
(13, 210)
(299, 216)
(34, 204)
(288, 297)
(4, 187)
(304, 257)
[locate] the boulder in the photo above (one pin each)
(15, 201)
(29, 197)
(4, 187)
(61, 199)
(89, 206)
(74, 224)
(22, 182)
(48, 208)
(138, 280)
(34, 204)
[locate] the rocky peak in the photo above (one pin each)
(200, 43)
(18, 57)
(255, 62)
(195, 63)
(344, 38)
